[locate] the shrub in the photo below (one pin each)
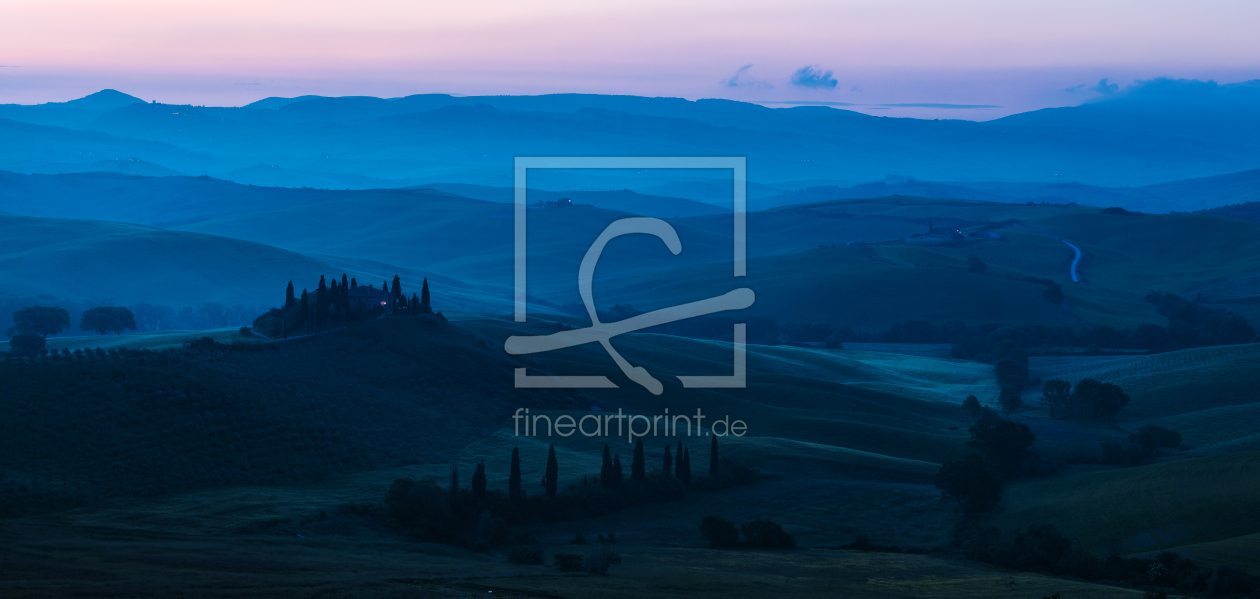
(599, 560)
(568, 562)
(719, 531)
(26, 344)
(970, 481)
(524, 556)
(246, 332)
(1153, 438)
(1097, 401)
(971, 406)
(1002, 442)
(767, 534)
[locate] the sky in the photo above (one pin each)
(973, 59)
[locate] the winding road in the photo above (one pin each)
(1075, 261)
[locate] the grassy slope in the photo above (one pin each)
(130, 263)
(1146, 507)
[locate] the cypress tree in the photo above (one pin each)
(685, 471)
(415, 305)
(553, 472)
(397, 289)
(605, 470)
(424, 297)
(636, 466)
(353, 282)
(334, 303)
(479, 482)
(678, 463)
(305, 318)
(668, 463)
(321, 303)
(345, 296)
(617, 472)
(514, 475)
(713, 458)
(288, 297)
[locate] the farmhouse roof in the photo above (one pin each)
(368, 291)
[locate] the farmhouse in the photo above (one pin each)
(368, 297)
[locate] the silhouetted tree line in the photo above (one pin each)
(331, 306)
(760, 533)
(478, 517)
(1192, 324)
(1043, 548)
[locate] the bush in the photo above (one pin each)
(767, 534)
(246, 332)
(972, 482)
(1153, 438)
(599, 560)
(26, 344)
(568, 562)
(524, 556)
(1002, 442)
(719, 531)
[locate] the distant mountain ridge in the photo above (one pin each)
(1156, 132)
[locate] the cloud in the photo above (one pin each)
(741, 79)
(1106, 88)
(1074, 88)
(813, 77)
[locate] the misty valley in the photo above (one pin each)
(272, 350)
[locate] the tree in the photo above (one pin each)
(396, 290)
(334, 303)
(321, 304)
(972, 407)
(479, 481)
(289, 300)
(103, 319)
(617, 473)
(424, 298)
(1002, 442)
(606, 469)
(767, 534)
(344, 300)
(553, 472)
(1010, 399)
(975, 264)
(26, 344)
(971, 482)
(414, 305)
(305, 317)
(667, 463)
(1097, 401)
(514, 475)
(714, 468)
(1055, 394)
(1153, 438)
(40, 320)
(637, 469)
(719, 531)
(685, 474)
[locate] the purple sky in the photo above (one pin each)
(1014, 55)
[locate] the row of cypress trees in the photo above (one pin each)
(330, 304)
(611, 473)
